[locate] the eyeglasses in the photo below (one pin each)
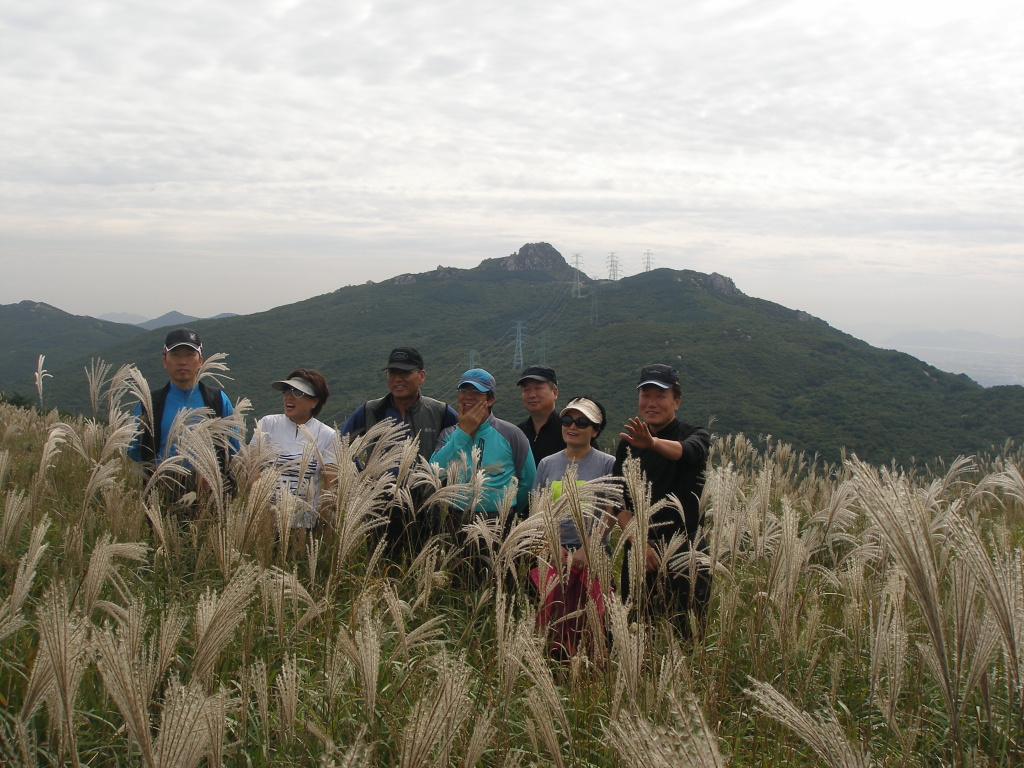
(580, 421)
(470, 391)
(400, 373)
(293, 392)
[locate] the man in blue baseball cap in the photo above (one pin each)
(504, 449)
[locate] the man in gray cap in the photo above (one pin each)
(539, 388)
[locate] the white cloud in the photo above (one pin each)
(814, 151)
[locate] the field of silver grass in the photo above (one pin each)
(860, 616)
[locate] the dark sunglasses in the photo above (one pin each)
(294, 392)
(580, 421)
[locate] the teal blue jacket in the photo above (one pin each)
(505, 454)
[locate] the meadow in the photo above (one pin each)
(861, 615)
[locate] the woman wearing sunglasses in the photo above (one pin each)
(304, 444)
(582, 419)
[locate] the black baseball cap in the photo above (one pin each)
(404, 359)
(660, 375)
(538, 373)
(183, 337)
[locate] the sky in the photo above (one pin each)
(859, 161)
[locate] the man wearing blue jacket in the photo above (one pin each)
(505, 451)
(182, 359)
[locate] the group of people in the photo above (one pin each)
(537, 454)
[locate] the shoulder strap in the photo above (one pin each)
(149, 440)
(212, 398)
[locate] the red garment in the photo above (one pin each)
(564, 606)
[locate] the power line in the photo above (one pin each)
(517, 358)
(613, 266)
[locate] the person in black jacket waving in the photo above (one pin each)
(672, 457)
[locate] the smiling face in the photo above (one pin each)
(658, 406)
(298, 407)
(404, 386)
(469, 396)
(577, 439)
(539, 397)
(182, 364)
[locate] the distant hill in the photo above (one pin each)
(123, 317)
(748, 365)
(176, 320)
(990, 360)
(32, 328)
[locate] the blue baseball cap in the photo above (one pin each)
(479, 378)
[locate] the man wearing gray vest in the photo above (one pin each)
(423, 416)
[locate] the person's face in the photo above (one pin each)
(657, 406)
(182, 365)
(574, 435)
(470, 396)
(405, 385)
(539, 397)
(298, 406)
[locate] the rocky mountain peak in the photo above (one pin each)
(532, 257)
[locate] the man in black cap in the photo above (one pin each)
(422, 416)
(182, 359)
(672, 456)
(539, 387)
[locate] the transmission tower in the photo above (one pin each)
(576, 292)
(613, 266)
(517, 357)
(472, 358)
(647, 260)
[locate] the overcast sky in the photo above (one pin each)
(859, 160)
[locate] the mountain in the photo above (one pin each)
(32, 328)
(123, 317)
(747, 365)
(174, 319)
(990, 360)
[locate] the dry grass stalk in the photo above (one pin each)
(287, 685)
(544, 725)
(64, 653)
(889, 646)
(1001, 579)
(483, 734)
(130, 675)
(436, 718)
(536, 667)
(823, 734)
(101, 569)
(10, 611)
(184, 735)
(16, 509)
(5, 457)
(96, 376)
(218, 616)
(40, 376)
(257, 678)
(367, 640)
(909, 530)
(640, 743)
(629, 647)
(340, 662)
